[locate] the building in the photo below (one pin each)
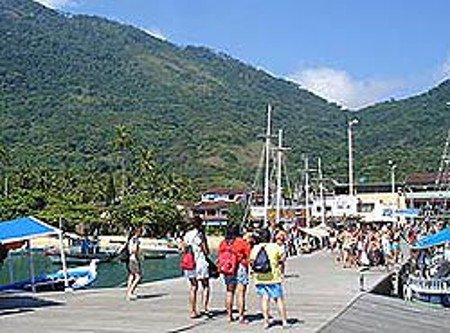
(215, 204)
(429, 192)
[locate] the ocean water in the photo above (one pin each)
(112, 274)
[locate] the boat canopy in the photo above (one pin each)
(24, 228)
(439, 238)
(317, 232)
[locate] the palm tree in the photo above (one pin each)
(4, 163)
(122, 142)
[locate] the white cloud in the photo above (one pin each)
(155, 32)
(57, 4)
(340, 87)
(445, 70)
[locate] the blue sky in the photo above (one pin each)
(352, 52)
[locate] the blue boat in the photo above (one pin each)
(20, 231)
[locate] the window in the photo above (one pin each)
(366, 207)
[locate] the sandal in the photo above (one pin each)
(194, 316)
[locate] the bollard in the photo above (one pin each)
(361, 281)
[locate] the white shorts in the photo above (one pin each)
(200, 272)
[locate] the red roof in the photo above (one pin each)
(212, 205)
(429, 178)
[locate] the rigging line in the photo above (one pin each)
(254, 186)
(288, 183)
(259, 170)
(442, 179)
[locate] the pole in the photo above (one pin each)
(279, 157)
(31, 261)
(307, 192)
(322, 201)
(5, 190)
(393, 179)
(10, 268)
(350, 160)
(350, 156)
(63, 256)
(266, 171)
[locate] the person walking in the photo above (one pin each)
(233, 259)
(268, 283)
(134, 264)
(195, 241)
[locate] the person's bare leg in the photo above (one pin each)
(205, 285)
(241, 290)
(265, 310)
(129, 284)
(282, 310)
(231, 288)
(193, 297)
(134, 284)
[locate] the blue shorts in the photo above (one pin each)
(241, 277)
(395, 247)
(270, 290)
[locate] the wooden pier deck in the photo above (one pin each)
(317, 291)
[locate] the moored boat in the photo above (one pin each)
(77, 278)
(435, 291)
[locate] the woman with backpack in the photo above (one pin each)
(266, 260)
(232, 262)
(195, 264)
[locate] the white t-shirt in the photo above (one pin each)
(195, 239)
(133, 247)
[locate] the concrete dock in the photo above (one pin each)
(317, 291)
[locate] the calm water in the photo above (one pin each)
(109, 274)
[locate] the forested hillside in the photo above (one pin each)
(67, 81)
(411, 132)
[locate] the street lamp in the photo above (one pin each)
(393, 167)
(351, 123)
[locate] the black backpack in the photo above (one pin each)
(262, 262)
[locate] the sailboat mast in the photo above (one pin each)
(267, 162)
(322, 202)
(307, 192)
(279, 160)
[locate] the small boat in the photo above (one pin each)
(154, 256)
(434, 291)
(78, 278)
(75, 258)
(161, 246)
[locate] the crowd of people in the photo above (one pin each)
(388, 245)
(260, 254)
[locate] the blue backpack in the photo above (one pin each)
(262, 262)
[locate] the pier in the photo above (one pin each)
(318, 291)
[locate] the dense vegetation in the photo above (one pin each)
(411, 132)
(69, 83)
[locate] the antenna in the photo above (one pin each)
(442, 176)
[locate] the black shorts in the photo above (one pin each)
(134, 267)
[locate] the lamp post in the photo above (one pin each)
(393, 167)
(351, 123)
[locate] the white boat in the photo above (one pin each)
(77, 278)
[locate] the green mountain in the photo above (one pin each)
(67, 82)
(411, 132)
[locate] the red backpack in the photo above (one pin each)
(187, 261)
(227, 261)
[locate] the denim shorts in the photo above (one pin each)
(241, 277)
(270, 290)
